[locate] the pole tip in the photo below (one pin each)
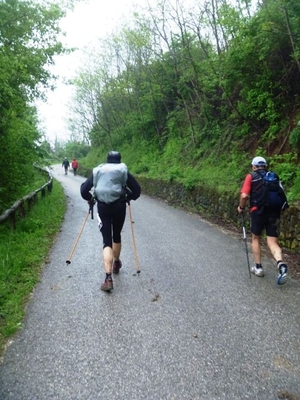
(68, 262)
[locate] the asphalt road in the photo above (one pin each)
(191, 325)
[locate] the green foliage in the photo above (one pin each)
(198, 107)
(294, 191)
(284, 166)
(95, 157)
(295, 137)
(28, 42)
(191, 177)
(75, 149)
(23, 251)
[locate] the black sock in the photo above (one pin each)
(258, 266)
(280, 261)
(108, 276)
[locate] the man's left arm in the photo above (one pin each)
(134, 187)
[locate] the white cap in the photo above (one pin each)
(259, 161)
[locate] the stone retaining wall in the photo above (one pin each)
(215, 206)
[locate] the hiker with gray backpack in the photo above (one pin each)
(114, 186)
(267, 200)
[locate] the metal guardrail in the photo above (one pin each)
(19, 207)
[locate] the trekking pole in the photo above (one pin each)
(78, 237)
(134, 244)
(245, 239)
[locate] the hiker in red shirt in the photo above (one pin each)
(74, 165)
(263, 217)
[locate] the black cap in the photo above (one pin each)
(113, 157)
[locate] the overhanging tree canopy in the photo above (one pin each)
(28, 42)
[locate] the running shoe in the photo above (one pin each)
(117, 265)
(257, 271)
(282, 277)
(107, 285)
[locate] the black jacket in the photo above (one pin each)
(65, 163)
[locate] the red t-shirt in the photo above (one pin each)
(246, 188)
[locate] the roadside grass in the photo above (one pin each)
(23, 254)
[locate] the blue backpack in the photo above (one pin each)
(269, 192)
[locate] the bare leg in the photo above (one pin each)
(277, 254)
(116, 251)
(107, 259)
(256, 250)
(274, 248)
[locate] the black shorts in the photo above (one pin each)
(112, 217)
(268, 220)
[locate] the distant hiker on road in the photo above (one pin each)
(66, 165)
(113, 187)
(267, 200)
(74, 166)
